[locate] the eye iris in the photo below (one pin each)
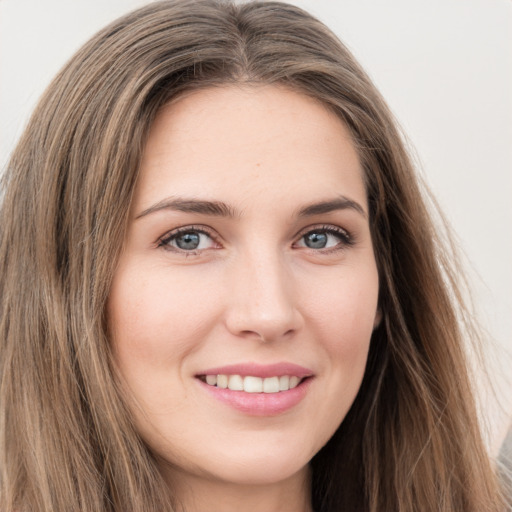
(188, 241)
(316, 240)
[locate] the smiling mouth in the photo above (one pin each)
(251, 384)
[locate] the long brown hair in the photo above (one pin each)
(411, 439)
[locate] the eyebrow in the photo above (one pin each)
(332, 205)
(215, 208)
(221, 209)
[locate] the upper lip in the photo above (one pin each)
(259, 370)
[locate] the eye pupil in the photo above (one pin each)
(316, 240)
(188, 241)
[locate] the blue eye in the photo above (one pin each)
(188, 240)
(325, 238)
(316, 240)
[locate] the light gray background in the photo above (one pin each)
(445, 67)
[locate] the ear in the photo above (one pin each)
(378, 318)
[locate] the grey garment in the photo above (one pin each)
(505, 466)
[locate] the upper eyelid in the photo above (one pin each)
(324, 227)
(345, 237)
(184, 229)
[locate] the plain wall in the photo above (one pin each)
(445, 67)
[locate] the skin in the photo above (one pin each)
(254, 291)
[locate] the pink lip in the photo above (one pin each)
(259, 370)
(259, 404)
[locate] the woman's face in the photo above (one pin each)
(243, 304)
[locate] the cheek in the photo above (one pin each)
(344, 307)
(343, 314)
(340, 319)
(156, 321)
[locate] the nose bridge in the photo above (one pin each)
(262, 301)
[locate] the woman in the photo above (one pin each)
(221, 288)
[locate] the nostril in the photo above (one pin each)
(266, 336)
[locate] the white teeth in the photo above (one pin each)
(211, 379)
(252, 384)
(271, 385)
(236, 383)
(222, 381)
(294, 382)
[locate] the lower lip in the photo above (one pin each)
(260, 404)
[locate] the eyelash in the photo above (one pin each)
(346, 239)
(164, 242)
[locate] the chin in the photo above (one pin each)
(247, 464)
(266, 469)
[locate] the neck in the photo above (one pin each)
(197, 494)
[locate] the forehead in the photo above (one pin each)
(244, 142)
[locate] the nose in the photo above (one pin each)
(262, 303)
